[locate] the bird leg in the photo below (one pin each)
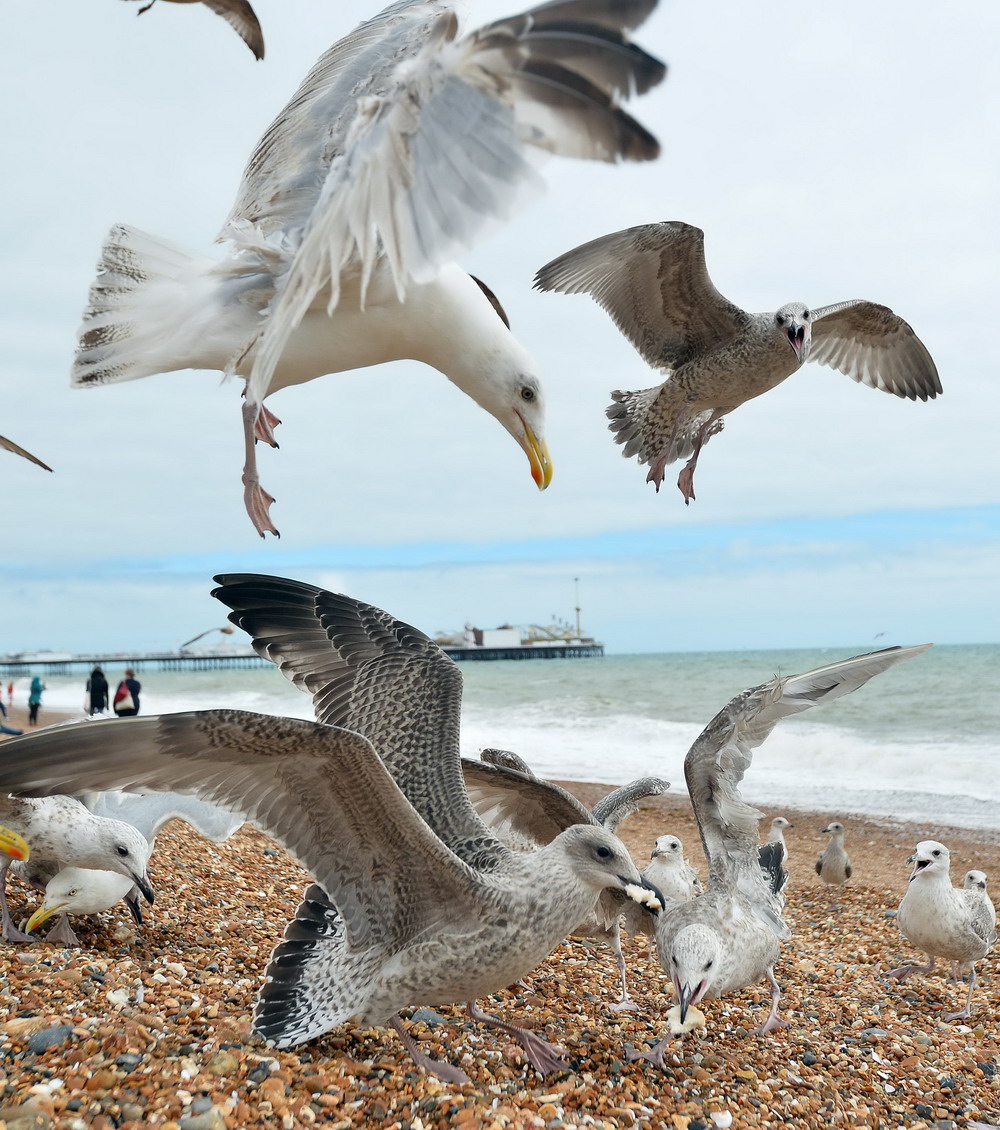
(904, 971)
(255, 498)
(772, 1020)
(543, 1056)
(685, 480)
(445, 1071)
(967, 1011)
(653, 1054)
(624, 1002)
(266, 423)
(62, 933)
(7, 928)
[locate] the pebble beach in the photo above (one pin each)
(151, 1026)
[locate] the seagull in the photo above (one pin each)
(943, 920)
(653, 282)
(61, 832)
(12, 845)
(728, 937)
(73, 891)
(672, 875)
(238, 14)
(777, 836)
(974, 884)
(526, 812)
(834, 864)
(413, 900)
(10, 445)
(405, 141)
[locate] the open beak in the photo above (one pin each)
(686, 997)
(538, 456)
(134, 907)
(796, 335)
(43, 914)
(13, 845)
(143, 884)
(918, 866)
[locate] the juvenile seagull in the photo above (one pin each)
(728, 938)
(404, 142)
(653, 282)
(61, 832)
(238, 14)
(526, 812)
(943, 920)
(834, 864)
(413, 903)
(974, 885)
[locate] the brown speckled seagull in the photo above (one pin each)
(10, 445)
(653, 282)
(237, 13)
(414, 901)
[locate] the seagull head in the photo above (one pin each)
(835, 828)
(794, 323)
(78, 890)
(930, 858)
(779, 824)
(114, 845)
(693, 960)
(668, 848)
(601, 860)
(974, 881)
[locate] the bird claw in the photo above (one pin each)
(626, 1004)
(685, 483)
(258, 504)
(264, 426)
(544, 1057)
(654, 1054)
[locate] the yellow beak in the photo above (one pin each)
(538, 457)
(43, 914)
(13, 845)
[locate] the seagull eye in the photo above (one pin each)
(527, 393)
(779, 319)
(806, 314)
(73, 892)
(935, 852)
(121, 849)
(603, 853)
(708, 966)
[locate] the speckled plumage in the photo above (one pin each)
(414, 902)
(62, 832)
(834, 864)
(942, 920)
(653, 282)
(728, 937)
(672, 874)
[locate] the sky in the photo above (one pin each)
(828, 151)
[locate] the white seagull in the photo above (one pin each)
(403, 143)
(653, 282)
(943, 920)
(834, 864)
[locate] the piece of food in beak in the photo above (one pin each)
(695, 1018)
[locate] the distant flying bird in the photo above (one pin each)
(10, 445)
(653, 282)
(404, 142)
(237, 13)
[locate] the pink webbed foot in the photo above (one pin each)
(446, 1071)
(685, 482)
(62, 933)
(544, 1057)
(258, 503)
(624, 1004)
(265, 424)
(653, 1055)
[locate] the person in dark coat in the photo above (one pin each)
(97, 690)
(126, 703)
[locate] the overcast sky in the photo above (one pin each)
(829, 152)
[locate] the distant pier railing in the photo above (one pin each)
(12, 666)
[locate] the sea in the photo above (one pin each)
(916, 743)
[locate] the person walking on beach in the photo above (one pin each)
(97, 691)
(35, 699)
(126, 704)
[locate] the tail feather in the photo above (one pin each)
(145, 292)
(655, 424)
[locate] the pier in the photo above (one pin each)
(13, 666)
(532, 651)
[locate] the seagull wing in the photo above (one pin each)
(722, 753)
(653, 281)
(321, 792)
(10, 445)
(871, 344)
(515, 806)
(617, 806)
(406, 140)
(378, 677)
(241, 17)
(148, 812)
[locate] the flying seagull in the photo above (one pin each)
(526, 812)
(728, 937)
(834, 864)
(413, 903)
(653, 282)
(238, 14)
(405, 140)
(942, 920)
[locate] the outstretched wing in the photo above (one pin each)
(722, 753)
(619, 805)
(871, 344)
(406, 140)
(653, 281)
(148, 812)
(241, 17)
(321, 792)
(10, 445)
(383, 679)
